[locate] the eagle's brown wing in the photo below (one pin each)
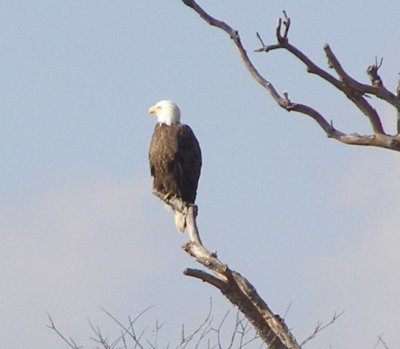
(175, 161)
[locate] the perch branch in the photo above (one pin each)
(188, 210)
(237, 289)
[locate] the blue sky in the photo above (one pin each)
(309, 221)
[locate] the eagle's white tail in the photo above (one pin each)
(180, 221)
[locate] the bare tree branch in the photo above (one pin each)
(234, 35)
(204, 335)
(70, 342)
(100, 339)
(353, 89)
(320, 327)
(237, 289)
(130, 330)
(381, 341)
(398, 108)
(377, 89)
(205, 277)
(201, 330)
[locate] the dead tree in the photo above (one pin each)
(236, 288)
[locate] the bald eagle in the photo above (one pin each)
(175, 157)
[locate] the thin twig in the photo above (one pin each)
(70, 342)
(381, 341)
(130, 327)
(320, 327)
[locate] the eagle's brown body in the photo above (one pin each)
(175, 161)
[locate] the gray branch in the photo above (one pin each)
(236, 288)
(353, 89)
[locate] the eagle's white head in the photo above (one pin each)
(167, 112)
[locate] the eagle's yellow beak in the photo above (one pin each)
(152, 109)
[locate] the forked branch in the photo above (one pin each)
(320, 327)
(68, 341)
(353, 89)
(381, 342)
(236, 288)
